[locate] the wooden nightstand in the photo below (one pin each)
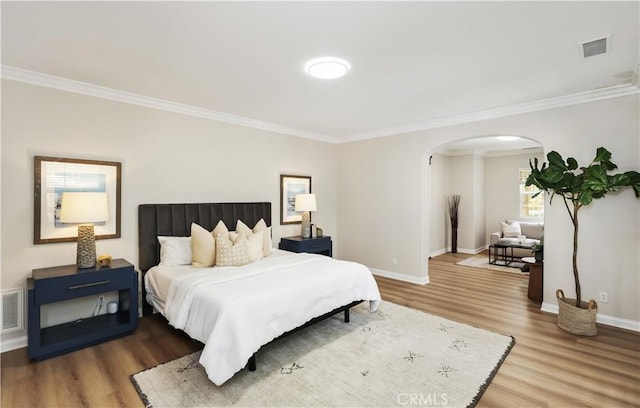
(51, 285)
(317, 245)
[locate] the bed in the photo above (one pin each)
(235, 310)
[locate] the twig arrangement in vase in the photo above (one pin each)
(453, 205)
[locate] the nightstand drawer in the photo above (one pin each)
(79, 285)
(317, 245)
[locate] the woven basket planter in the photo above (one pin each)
(577, 320)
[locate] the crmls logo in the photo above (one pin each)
(422, 400)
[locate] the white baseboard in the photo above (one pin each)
(438, 252)
(12, 344)
(469, 251)
(400, 276)
(600, 318)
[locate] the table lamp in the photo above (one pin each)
(306, 203)
(84, 208)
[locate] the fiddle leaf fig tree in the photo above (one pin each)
(578, 187)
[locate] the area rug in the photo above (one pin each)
(396, 356)
(482, 261)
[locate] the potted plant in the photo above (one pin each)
(578, 187)
(538, 250)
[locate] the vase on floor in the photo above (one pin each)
(577, 320)
(453, 205)
(454, 240)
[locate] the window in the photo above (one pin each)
(529, 206)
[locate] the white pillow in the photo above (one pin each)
(203, 247)
(175, 251)
(511, 230)
(229, 253)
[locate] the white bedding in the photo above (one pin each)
(236, 310)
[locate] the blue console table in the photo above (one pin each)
(51, 285)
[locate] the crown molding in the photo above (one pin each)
(69, 85)
(50, 81)
(615, 91)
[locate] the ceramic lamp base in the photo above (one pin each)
(86, 257)
(306, 225)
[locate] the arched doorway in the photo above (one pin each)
(484, 170)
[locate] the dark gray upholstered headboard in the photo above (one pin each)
(175, 220)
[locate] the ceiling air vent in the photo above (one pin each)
(596, 47)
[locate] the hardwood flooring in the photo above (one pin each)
(546, 368)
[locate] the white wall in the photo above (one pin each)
(165, 157)
(386, 176)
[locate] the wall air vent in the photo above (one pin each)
(596, 47)
(12, 310)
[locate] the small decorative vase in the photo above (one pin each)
(538, 255)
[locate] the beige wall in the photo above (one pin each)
(503, 198)
(377, 206)
(390, 178)
(438, 188)
(479, 197)
(491, 197)
(467, 179)
(461, 170)
(165, 157)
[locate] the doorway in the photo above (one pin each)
(484, 170)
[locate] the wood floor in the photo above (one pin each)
(546, 368)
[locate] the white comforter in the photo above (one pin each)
(236, 310)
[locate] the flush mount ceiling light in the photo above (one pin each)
(327, 68)
(507, 138)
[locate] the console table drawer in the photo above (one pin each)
(70, 287)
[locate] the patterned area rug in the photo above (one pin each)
(394, 357)
(482, 261)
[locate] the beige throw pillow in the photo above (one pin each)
(255, 240)
(511, 230)
(220, 229)
(254, 244)
(203, 247)
(267, 243)
(260, 226)
(229, 253)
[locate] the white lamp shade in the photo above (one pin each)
(84, 207)
(306, 202)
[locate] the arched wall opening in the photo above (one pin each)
(484, 170)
